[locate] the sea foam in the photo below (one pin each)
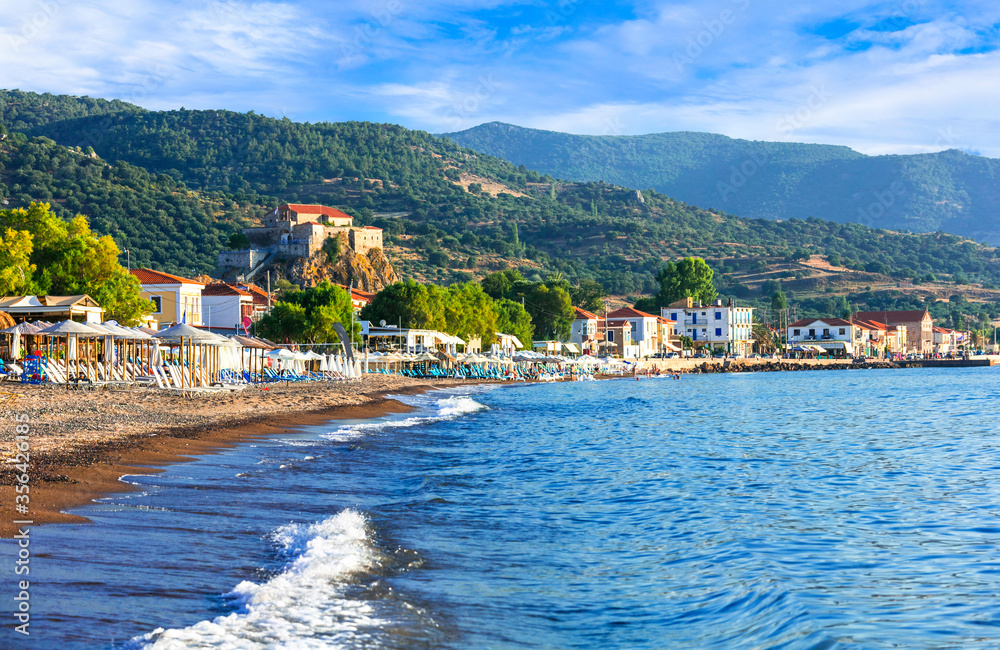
(304, 606)
(429, 411)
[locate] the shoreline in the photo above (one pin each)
(68, 475)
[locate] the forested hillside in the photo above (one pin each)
(159, 221)
(950, 191)
(172, 186)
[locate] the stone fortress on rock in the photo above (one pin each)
(294, 230)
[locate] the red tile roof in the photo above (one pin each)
(870, 324)
(372, 228)
(302, 208)
(583, 314)
(666, 320)
(149, 276)
(626, 313)
(223, 289)
(892, 317)
(943, 330)
(832, 322)
(255, 290)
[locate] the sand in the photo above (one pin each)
(83, 441)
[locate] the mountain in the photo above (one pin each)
(173, 185)
(949, 191)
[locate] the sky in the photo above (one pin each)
(903, 76)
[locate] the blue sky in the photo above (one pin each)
(903, 76)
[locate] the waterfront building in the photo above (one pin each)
(918, 323)
(587, 331)
(824, 336)
(647, 334)
(175, 299)
(720, 327)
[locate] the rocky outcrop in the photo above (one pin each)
(782, 366)
(369, 272)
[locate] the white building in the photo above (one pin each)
(721, 327)
(828, 336)
(227, 309)
(586, 331)
(646, 334)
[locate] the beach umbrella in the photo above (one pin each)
(15, 346)
(72, 331)
(183, 332)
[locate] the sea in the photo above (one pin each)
(813, 510)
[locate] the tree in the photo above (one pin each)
(779, 301)
(238, 241)
(309, 316)
(70, 261)
(470, 313)
(691, 277)
(514, 319)
(588, 295)
(408, 304)
(551, 309)
(16, 269)
(499, 285)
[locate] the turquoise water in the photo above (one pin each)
(852, 509)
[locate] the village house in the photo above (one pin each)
(52, 308)
(175, 299)
(946, 341)
(228, 309)
(359, 298)
(261, 299)
(587, 331)
(823, 336)
(723, 328)
(919, 326)
(875, 339)
(648, 334)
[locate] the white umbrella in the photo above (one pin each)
(15, 346)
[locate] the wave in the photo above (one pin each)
(304, 606)
(429, 410)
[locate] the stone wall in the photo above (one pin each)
(363, 240)
(245, 259)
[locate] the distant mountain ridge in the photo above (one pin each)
(950, 191)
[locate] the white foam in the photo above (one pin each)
(304, 606)
(447, 408)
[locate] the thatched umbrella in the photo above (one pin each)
(72, 331)
(182, 332)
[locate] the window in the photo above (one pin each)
(718, 315)
(157, 304)
(673, 317)
(842, 331)
(694, 319)
(611, 336)
(812, 333)
(796, 332)
(718, 331)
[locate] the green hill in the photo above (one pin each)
(950, 191)
(173, 185)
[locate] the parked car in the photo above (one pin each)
(701, 355)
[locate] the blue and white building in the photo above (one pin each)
(720, 327)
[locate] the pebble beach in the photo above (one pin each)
(83, 441)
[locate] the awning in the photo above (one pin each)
(571, 347)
